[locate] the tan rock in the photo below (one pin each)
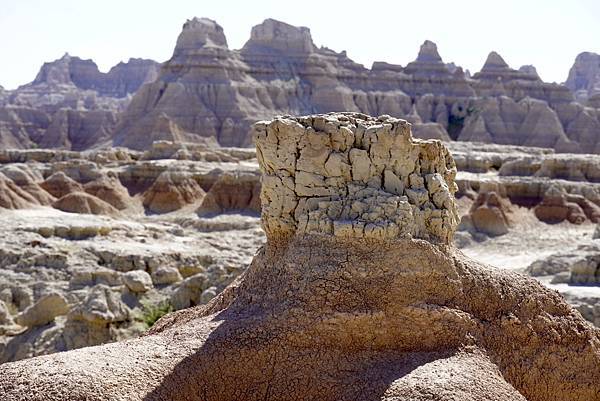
(555, 208)
(491, 214)
(137, 281)
(101, 306)
(80, 202)
(59, 184)
(172, 191)
(166, 275)
(109, 189)
(232, 192)
(43, 311)
(314, 306)
(309, 201)
(13, 197)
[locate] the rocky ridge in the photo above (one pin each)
(584, 78)
(280, 71)
(70, 104)
(208, 90)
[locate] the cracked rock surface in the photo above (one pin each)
(349, 174)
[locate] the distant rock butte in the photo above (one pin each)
(207, 90)
(70, 104)
(584, 78)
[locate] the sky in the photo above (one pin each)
(548, 34)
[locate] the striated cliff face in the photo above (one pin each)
(121, 80)
(206, 89)
(584, 78)
(70, 104)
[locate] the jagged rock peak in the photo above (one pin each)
(494, 61)
(55, 72)
(429, 53)
(198, 33)
(279, 36)
(332, 174)
(584, 75)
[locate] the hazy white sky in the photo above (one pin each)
(545, 33)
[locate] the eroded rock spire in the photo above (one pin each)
(352, 175)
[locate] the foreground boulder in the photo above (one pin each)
(357, 295)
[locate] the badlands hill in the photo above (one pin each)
(584, 78)
(70, 104)
(357, 294)
(208, 90)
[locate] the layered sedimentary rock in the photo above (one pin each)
(392, 186)
(349, 316)
(206, 89)
(70, 104)
(80, 202)
(584, 78)
(172, 191)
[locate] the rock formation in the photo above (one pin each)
(208, 90)
(490, 213)
(232, 192)
(172, 191)
(70, 104)
(345, 313)
(59, 184)
(109, 189)
(555, 208)
(81, 202)
(584, 76)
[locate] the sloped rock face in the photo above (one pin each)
(59, 184)
(490, 214)
(351, 316)
(208, 90)
(171, 191)
(555, 208)
(70, 104)
(230, 193)
(584, 76)
(109, 189)
(80, 202)
(121, 80)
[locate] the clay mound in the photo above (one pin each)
(28, 180)
(172, 191)
(13, 197)
(345, 314)
(491, 214)
(80, 202)
(109, 188)
(555, 208)
(232, 192)
(59, 184)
